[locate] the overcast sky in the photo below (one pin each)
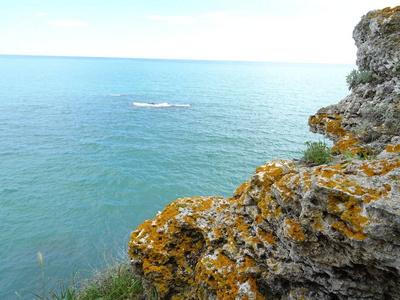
(252, 30)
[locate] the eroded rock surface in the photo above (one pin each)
(371, 113)
(292, 231)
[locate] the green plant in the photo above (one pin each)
(393, 126)
(362, 155)
(317, 152)
(117, 282)
(356, 77)
(66, 293)
(363, 127)
(154, 294)
(392, 120)
(349, 157)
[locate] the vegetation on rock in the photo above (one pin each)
(357, 77)
(317, 152)
(118, 281)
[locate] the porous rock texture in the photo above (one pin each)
(371, 113)
(294, 231)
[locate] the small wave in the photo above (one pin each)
(159, 104)
(116, 95)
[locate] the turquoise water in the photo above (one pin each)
(81, 166)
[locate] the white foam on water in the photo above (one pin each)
(165, 104)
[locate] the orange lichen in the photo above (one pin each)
(386, 13)
(328, 172)
(380, 167)
(213, 271)
(240, 191)
(317, 219)
(286, 186)
(349, 210)
(266, 237)
(294, 231)
(393, 148)
(349, 143)
(350, 232)
(258, 219)
(318, 226)
(224, 275)
(306, 179)
(334, 177)
(273, 171)
(330, 122)
(265, 176)
(269, 208)
(160, 239)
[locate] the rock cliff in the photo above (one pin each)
(295, 231)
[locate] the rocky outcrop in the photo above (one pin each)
(292, 231)
(371, 113)
(377, 38)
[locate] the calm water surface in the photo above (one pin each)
(81, 166)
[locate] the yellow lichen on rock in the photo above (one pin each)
(328, 123)
(259, 188)
(163, 245)
(386, 13)
(381, 167)
(294, 231)
(349, 210)
(393, 148)
(204, 245)
(348, 143)
(179, 245)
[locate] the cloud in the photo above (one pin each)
(67, 23)
(41, 14)
(173, 19)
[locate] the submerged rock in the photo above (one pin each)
(294, 232)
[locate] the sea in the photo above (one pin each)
(92, 147)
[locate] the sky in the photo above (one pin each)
(312, 31)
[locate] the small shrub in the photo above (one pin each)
(317, 152)
(393, 127)
(356, 77)
(362, 128)
(392, 120)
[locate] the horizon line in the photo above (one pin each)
(178, 59)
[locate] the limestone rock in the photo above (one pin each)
(377, 38)
(326, 232)
(298, 232)
(371, 113)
